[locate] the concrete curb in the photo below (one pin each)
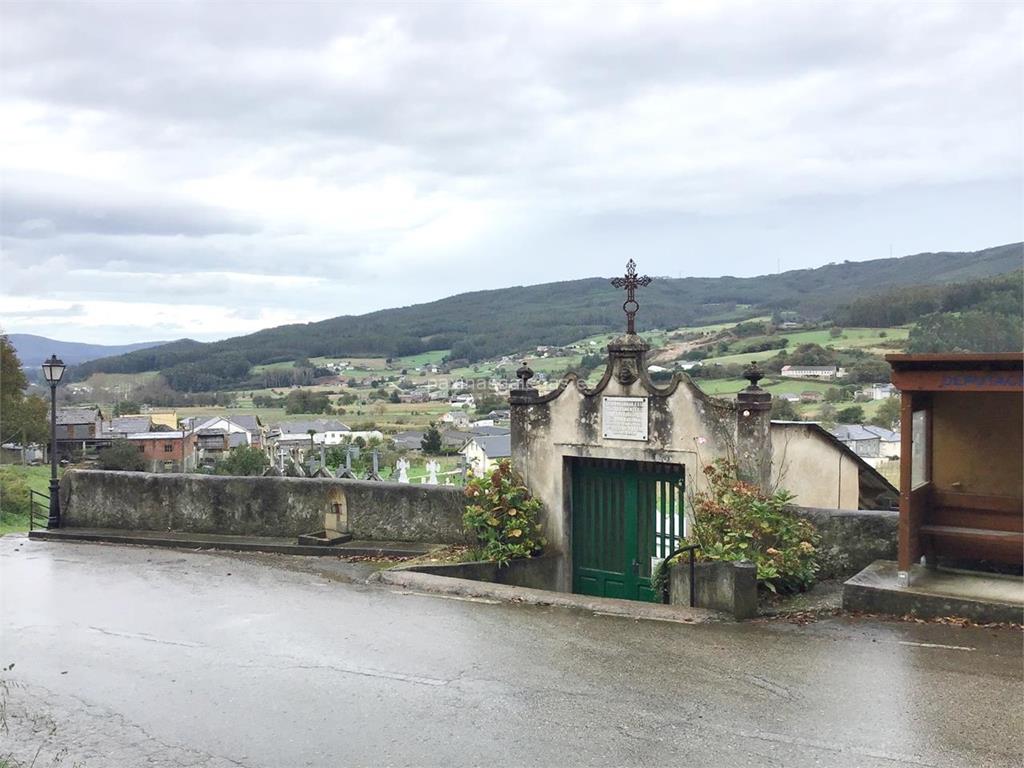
(445, 585)
(223, 543)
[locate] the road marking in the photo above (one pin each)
(937, 645)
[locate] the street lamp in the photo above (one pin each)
(53, 372)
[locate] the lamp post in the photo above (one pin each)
(53, 372)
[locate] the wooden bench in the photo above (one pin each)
(975, 527)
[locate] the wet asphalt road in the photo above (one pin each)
(128, 656)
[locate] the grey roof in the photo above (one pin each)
(495, 446)
(847, 432)
(486, 431)
(319, 425)
(236, 439)
(408, 439)
(78, 415)
(131, 424)
(248, 421)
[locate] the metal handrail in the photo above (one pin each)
(43, 503)
(693, 581)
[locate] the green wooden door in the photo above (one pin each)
(625, 515)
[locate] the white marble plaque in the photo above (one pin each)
(624, 418)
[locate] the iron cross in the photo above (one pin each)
(631, 282)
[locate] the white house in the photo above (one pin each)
(484, 450)
(813, 371)
(456, 418)
(878, 392)
(325, 432)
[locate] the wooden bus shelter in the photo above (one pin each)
(961, 458)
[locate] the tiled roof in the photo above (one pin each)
(864, 432)
(495, 446)
(77, 415)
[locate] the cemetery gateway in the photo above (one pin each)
(614, 464)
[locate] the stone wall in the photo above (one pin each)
(261, 506)
(853, 539)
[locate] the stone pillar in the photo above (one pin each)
(628, 355)
(519, 400)
(753, 431)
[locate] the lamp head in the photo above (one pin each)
(53, 370)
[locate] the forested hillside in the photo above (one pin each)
(485, 324)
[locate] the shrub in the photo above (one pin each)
(244, 460)
(503, 515)
(121, 455)
(14, 495)
(734, 520)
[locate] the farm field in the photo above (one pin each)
(874, 340)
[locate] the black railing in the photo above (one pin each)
(38, 509)
(691, 548)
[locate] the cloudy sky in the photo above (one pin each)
(208, 169)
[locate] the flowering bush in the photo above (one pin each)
(734, 520)
(503, 515)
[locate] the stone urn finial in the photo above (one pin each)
(753, 374)
(524, 374)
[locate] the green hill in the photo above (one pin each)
(485, 324)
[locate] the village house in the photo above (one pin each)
(309, 432)
(79, 429)
(877, 392)
(166, 451)
(483, 451)
(873, 444)
(120, 427)
(458, 419)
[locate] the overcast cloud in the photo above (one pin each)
(209, 169)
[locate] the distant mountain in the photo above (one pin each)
(485, 324)
(32, 349)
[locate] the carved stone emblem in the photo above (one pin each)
(628, 372)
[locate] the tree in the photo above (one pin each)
(394, 397)
(811, 354)
(971, 331)
(834, 395)
(431, 442)
(888, 413)
(21, 417)
(783, 410)
(126, 407)
(244, 460)
(869, 371)
(851, 414)
(121, 455)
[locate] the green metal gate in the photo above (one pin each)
(625, 514)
